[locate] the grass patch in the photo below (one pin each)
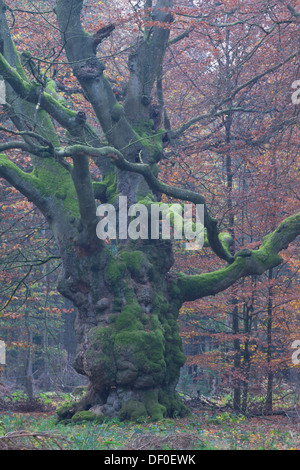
(206, 431)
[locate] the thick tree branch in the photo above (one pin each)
(145, 63)
(183, 35)
(49, 101)
(41, 152)
(80, 49)
(246, 262)
(31, 92)
(103, 33)
(31, 134)
(23, 182)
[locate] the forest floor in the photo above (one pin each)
(202, 430)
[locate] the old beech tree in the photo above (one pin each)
(128, 303)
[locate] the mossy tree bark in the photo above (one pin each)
(127, 301)
(128, 337)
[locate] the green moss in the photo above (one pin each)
(146, 199)
(66, 411)
(133, 410)
(144, 349)
(51, 180)
(145, 319)
(155, 169)
(5, 162)
(87, 416)
(99, 188)
(175, 291)
(117, 305)
(175, 408)
(151, 408)
(117, 112)
(155, 323)
(130, 316)
(114, 271)
(82, 416)
(197, 286)
(135, 261)
(267, 254)
(52, 89)
(2, 429)
(226, 240)
(161, 305)
(7, 70)
(155, 410)
(59, 103)
(174, 355)
(151, 142)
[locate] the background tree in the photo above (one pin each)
(128, 301)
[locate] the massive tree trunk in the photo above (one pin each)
(127, 301)
(128, 337)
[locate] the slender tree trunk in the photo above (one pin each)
(231, 221)
(237, 358)
(28, 361)
(46, 371)
(270, 374)
(246, 357)
(233, 300)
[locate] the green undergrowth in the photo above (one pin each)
(205, 431)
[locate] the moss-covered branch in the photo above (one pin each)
(31, 92)
(49, 187)
(24, 182)
(246, 262)
(16, 144)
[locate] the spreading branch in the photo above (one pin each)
(246, 262)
